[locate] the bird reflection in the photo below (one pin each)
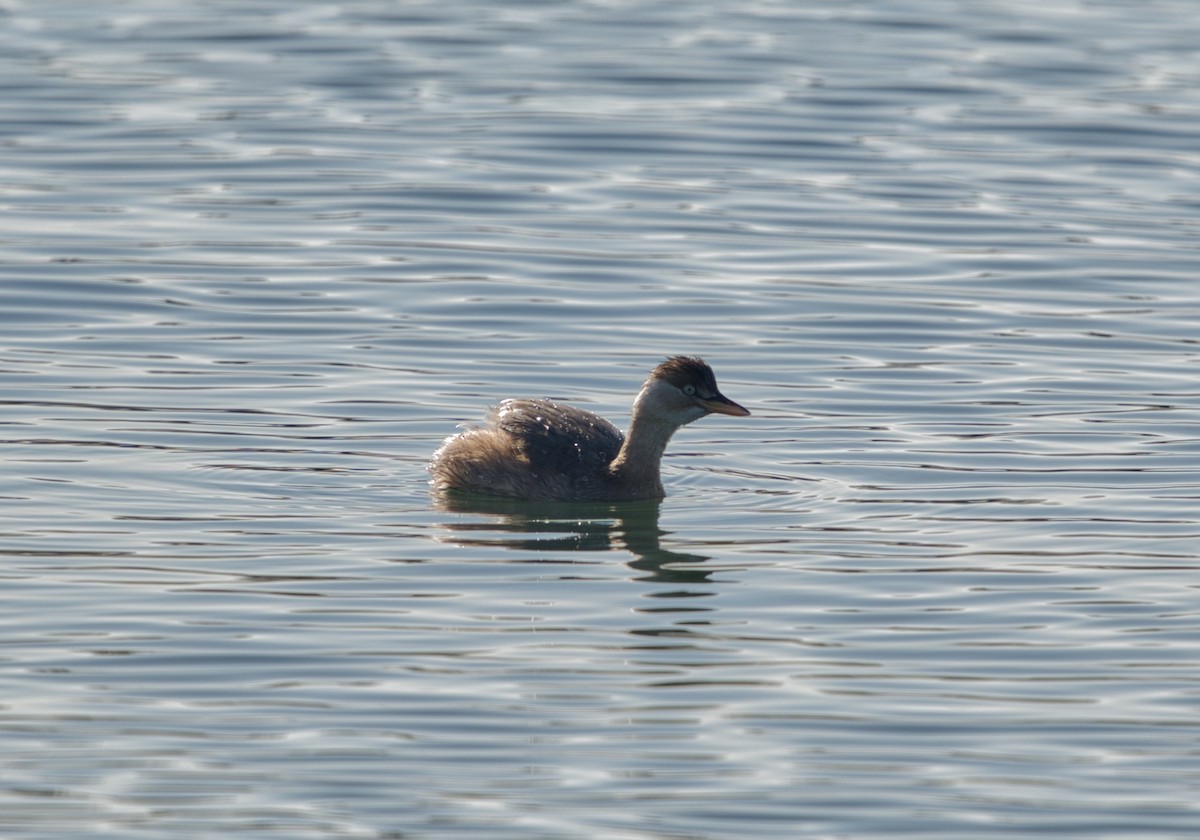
(581, 526)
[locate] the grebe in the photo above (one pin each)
(539, 449)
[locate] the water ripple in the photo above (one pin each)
(257, 264)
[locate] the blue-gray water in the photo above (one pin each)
(258, 258)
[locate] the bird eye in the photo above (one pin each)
(689, 389)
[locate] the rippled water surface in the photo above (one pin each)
(257, 259)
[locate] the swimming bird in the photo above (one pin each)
(543, 450)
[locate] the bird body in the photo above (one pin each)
(543, 450)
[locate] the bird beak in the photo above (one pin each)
(723, 405)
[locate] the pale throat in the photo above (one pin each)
(650, 431)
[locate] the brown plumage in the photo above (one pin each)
(540, 449)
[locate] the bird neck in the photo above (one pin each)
(638, 462)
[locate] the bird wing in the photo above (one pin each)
(559, 436)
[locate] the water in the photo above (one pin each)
(257, 259)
